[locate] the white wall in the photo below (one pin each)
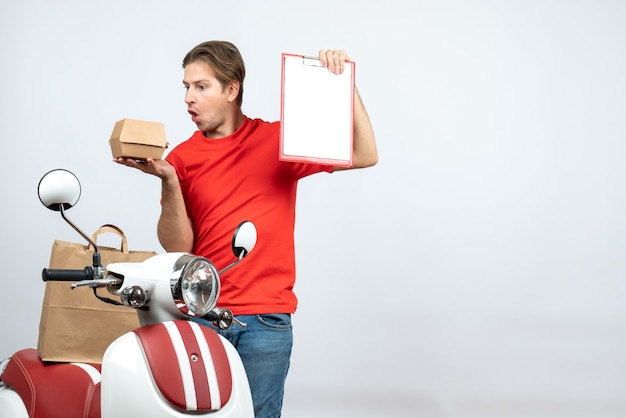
(477, 271)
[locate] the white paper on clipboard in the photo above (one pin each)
(316, 112)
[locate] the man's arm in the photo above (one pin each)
(174, 228)
(364, 151)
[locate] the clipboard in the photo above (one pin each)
(316, 112)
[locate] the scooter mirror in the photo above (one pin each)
(244, 239)
(59, 188)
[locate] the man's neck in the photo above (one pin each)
(227, 128)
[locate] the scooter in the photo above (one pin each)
(169, 367)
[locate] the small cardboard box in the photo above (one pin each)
(138, 139)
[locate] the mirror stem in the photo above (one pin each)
(241, 256)
(96, 253)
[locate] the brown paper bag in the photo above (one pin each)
(76, 326)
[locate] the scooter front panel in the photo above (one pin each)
(129, 387)
(189, 364)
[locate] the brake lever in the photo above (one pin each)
(104, 282)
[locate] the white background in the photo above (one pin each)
(477, 271)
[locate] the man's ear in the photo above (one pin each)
(233, 91)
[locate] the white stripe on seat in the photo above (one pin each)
(93, 373)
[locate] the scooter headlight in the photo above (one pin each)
(195, 285)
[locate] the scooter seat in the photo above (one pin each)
(54, 390)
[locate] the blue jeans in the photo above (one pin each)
(265, 349)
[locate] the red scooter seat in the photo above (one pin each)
(54, 390)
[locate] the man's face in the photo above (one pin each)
(207, 101)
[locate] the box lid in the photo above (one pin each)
(143, 132)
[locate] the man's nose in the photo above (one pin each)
(189, 97)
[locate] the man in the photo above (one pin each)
(227, 172)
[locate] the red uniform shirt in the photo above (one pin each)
(236, 178)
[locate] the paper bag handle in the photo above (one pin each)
(110, 228)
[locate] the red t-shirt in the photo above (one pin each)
(229, 180)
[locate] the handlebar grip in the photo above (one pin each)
(62, 275)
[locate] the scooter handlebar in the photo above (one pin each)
(62, 275)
